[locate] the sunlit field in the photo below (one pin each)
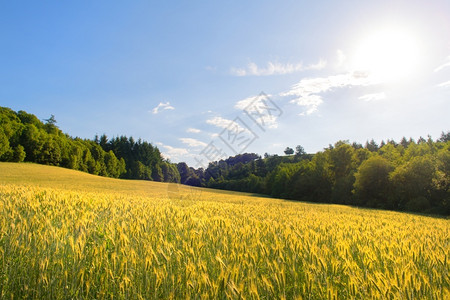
(69, 235)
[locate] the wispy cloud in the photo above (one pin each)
(276, 68)
(444, 65)
(162, 106)
(193, 130)
(444, 84)
(244, 103)
(307, 91)
(193, 142)
(219, 122)
(373, 97)
(261, 108)
(173, 153)
(310, 102)
(225, 123)
(321, 64)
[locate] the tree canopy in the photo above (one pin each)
(23, 137)
(411, 176)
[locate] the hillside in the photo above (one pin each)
(23, 137)
(402, 176)
(66, 234)
(60, 178)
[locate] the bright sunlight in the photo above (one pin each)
(388, 55)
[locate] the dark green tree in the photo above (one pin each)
(413, 183)
(445, 137)
(372, 146)
(18, 154)
(372, 186)
(4, 144)
(288, 151)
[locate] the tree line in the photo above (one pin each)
(406, 176)
(23, 137)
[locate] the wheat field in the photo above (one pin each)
(69, 235)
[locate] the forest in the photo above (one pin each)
(24, 138)
(405, 176)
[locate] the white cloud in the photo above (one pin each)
(373, 97)
(321, 64)
(444, 84)
(162, 106)
(311, 102)
(322, 84)
(244, 103)
(307, 91)
(173, 153)
(225, 123)
(276, 68)
(262, 108)
(193, 142)
(444, 65)
(219, 122)
(193, 130)
(238, 72)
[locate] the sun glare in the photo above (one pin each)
(389, 55)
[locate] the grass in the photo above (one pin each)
(66, 234)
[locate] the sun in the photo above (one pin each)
(388, 55)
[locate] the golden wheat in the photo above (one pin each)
(59, 243)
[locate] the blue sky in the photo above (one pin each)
(182, 75)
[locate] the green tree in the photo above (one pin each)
(359, 156)
(280, 179)
(18, 154)
(299, 151)
(413, 183)
(141, 171)
(50, 125)
(342, 170)
(112, 164)
(157, 173)
(372, 146)
(74, 158)
(88, 163)
(184, 171)
(391, 153)
(372, 186)
(313, 180)
(288, 151)
(445, 137)
(32, 142)
(4, 144)
(441, 195)
(170, 172)
(50, 152)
